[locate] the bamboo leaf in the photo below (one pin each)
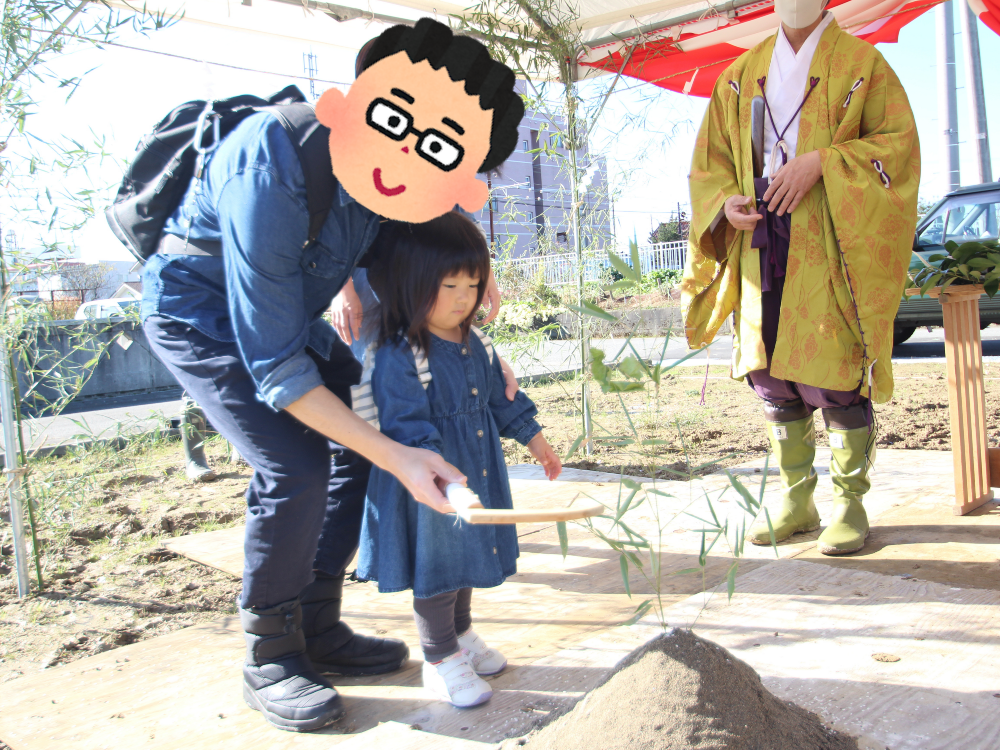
(640, 612)
(731, 579)
(619, 264)
(770, 532)
(575, 446)
(589, 308)
(623, 507)
(763, 480)
(751, 501)
(623, 565)
(684, 572)
(633, 251)
(563, 538)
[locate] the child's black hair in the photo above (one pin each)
(412, 260)
(467, 60)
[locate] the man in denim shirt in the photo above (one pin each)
(240, 327)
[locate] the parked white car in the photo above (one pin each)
(101, 309)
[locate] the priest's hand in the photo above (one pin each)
(740, 212)
(792, 182)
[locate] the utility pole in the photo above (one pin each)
(13, 474)
(947, 95)
(974, 88)
(311, 69)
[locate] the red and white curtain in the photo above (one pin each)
(690, 57)
(988, 12)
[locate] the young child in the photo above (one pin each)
(436, 386)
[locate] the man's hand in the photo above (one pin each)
(509, 377)
(425, 474)
(347, 313)
(790, 185)
(740, 212)
(545, 455)
(491, 297)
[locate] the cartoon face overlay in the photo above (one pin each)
(406, 140)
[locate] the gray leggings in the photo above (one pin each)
(439, 621)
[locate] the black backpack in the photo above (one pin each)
(167, 159)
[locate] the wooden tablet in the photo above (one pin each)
(468, 507)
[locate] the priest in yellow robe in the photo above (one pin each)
(802, 232)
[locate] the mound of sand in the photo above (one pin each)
(680, 692)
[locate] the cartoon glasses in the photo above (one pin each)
(433, 145)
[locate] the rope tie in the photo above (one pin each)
(886, 180)
(855, 87)
(781, 145)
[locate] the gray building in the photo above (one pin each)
(529, 210)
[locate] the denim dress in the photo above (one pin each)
(461, 415)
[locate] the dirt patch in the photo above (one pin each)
(681, 692)
(727, 428)
(102, 517)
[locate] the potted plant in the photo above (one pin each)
(971, 263)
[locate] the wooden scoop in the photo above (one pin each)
(469, 509)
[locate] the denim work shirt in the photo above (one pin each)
(461, 415)
(268, 291)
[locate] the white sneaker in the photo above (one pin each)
(454, 681)
(485, 660)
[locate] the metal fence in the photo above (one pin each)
(561, 269)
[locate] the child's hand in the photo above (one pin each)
(544, 454)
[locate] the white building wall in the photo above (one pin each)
(517, 198)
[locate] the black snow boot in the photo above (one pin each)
(278, 678)
(331, 644)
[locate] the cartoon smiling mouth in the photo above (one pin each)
(377, 178)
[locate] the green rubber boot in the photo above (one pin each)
(794, 446)
(848, 527)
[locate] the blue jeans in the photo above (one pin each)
(306, 499)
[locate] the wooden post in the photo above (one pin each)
(966, 395)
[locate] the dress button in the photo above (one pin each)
(475, 391)
(312, 265)
(464, 350)
(484, 472)
(494, 550)
(479, 433)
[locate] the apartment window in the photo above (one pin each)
(524, 146)
(531, 217)
(561, 238)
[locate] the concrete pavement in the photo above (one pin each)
(110, 420)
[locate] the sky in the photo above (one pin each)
(129, 90)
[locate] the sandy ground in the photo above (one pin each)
(107, 581)
(727, 427)
(103, 515)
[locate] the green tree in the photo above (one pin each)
(46, 186)
(670, 231)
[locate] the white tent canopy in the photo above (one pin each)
(667, 42)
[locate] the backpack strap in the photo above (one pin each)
(486, 341)
(362, 400)
(312, 144)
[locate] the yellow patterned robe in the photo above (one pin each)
(849, 215)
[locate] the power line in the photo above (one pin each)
(205, 62)
(224, 65)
